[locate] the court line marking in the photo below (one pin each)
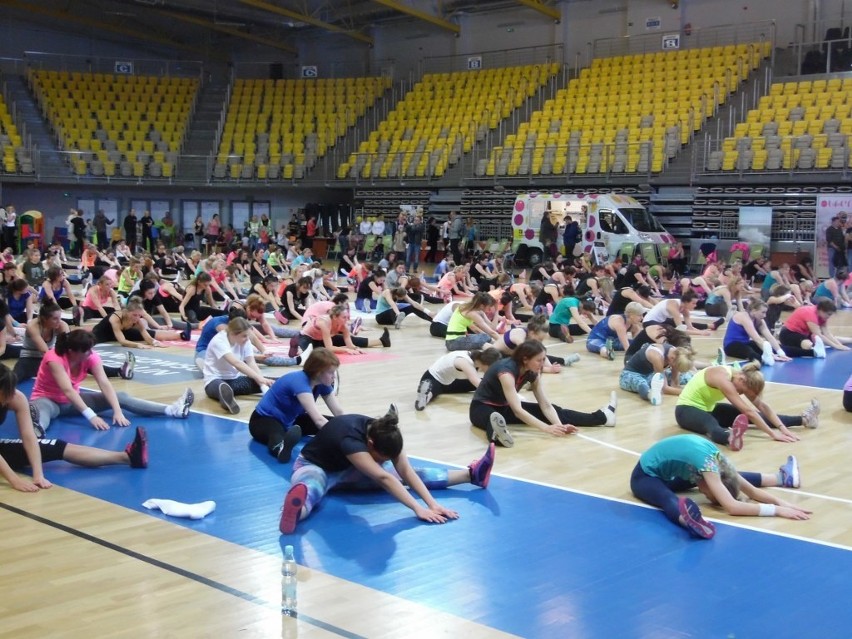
(181, 572)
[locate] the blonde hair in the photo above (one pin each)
(634, 308)
(684, 359)
(753, 377)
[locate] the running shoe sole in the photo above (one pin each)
(656, 394)
(791, 470)
(499, 432)
(424, 395)
(293, 502)
(735, 439)
(480, 470)
(690, 513)
(292, 437)
(226, 399)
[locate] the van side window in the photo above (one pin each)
(611, 223)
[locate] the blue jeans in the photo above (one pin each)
(412, 257)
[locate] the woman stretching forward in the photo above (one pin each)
(455, 372)
(57, 388)
(497, 402)
(683, 462)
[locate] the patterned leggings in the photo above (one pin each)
(319, 482)
(638, 383)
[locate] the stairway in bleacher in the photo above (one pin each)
(194, 164)
(48, 161)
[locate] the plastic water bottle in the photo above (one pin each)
(288, 583)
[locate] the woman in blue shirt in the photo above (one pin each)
(289, 410)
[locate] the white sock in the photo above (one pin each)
(179, 509)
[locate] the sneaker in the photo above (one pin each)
(499, 432)
(307, 352)
(279, 316)
(127, 369)
(691, 519)
(768, 357)
(393, 411)
(720, 360)
(776, 331)
(400, 318)
(609, 349)
(810, 416)
(137, 450)
(284, 450)
(549, 308)
(292, 509)
(39, 431)
(76, 315)
(790, 477)
(735, 438)
(186, 333)
(819, 347)
(385, 339)
(655, 396)
(609, 410)
(717, 323)
(424, 394)
(226, 398)
(183, 403)
(480, 469)
(294, 346)
(355, 326)
(573, 358)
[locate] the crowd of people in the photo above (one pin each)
(249, 299)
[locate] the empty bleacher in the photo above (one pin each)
(441, 118)
(626, 114)
(116, 125)
(800, 125)
(15, 157)
(280, 128)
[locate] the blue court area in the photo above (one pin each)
(831, 372)
(524, 558)
(153, 366)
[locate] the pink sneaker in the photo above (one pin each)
(693, 521)
(735, 438)
(278, 315)
(293, 502)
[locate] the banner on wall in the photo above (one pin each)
(755, 225)
(828, 206)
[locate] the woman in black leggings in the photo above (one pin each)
(748, 337)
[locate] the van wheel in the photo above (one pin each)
(534, 257)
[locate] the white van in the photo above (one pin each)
(607, 221)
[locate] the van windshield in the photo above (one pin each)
(642, 220)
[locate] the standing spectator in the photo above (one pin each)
(414, 241)
(147, 223)
(79, 225)
(212, 234)
(433, 232)
(10, 227)
(99, 222)
(310, 232)
(198, 231)
(454, 234)
(130, 233)
(570, 236)
(836, 242)
(548, 233)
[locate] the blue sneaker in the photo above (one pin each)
(790, 477)
(480, 470)
(691, 519)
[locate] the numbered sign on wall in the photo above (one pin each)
(310, 72)
(671, 41)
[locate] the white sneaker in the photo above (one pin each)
(656, 394)
(306, 353)
(810, 416)
(424, 394)
(819, 347)
(180, 407)
(573, 358)
(609, 409)
(768, 358)
(400, 318)
(720, 360)
(499, 432)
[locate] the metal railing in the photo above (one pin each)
(721, 35)
(823, 56)
(542, 54)
(324, 69)
(97, 64)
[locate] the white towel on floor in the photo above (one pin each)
(179, 509)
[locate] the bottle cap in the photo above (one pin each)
(288, 550)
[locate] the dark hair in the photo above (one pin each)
(385, 434)
(76, 341)
(53, 273)
(485, 355)
(826, 306)
(18, 285)
(319, 360)
(527, 350)
(568, 290)
(643, 291)
(8, 382)
(147, 285)
(588, 305)
(688, 296)
(48, 308)
(306, 281)
(537, 324)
